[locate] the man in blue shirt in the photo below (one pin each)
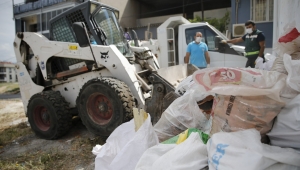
(197, 53)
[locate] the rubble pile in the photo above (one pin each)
(225, 118)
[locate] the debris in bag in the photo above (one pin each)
(292, 88)
(267, 65)
(184, 113)
(246, 98)
(241, 81)
(243, 150)
(184, 135)
(125, 146)
(288, 43)
(206, 105)
(293, 69)
(286, 128)
(186, 85)
(234, 113)
(191, 154)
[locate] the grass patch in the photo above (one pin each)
(80, 152)
(38, 160)
(12, 133)
(76, 152)
(9, 88)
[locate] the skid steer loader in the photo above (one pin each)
(66, 76)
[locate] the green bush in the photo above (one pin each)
(220, 24)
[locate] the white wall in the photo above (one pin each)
(154, 20)
(287, 11)
(129, 11)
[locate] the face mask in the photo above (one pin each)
(249, 30)
(198, 39)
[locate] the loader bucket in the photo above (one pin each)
(164, 81)
(175, 74)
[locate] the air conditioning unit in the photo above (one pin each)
(238, 30)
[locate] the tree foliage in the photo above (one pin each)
(220, 24)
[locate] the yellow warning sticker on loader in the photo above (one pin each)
(73, 47)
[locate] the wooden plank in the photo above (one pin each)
(71, 72)
(139, 117)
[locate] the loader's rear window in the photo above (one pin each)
(62, 32)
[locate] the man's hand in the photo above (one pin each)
(187, 58)
(224, 41)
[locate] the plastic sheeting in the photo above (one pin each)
(286, 129)
(243, 150)
(124, 147)
(190, 154)
(182, 114)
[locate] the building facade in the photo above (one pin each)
(7, 72)
(260, 11)
(34, 15)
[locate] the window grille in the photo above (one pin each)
(262, 10)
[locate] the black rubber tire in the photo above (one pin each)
(48, 115)
(103, 104)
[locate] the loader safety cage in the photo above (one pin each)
(101, 22)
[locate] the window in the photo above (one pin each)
(66, 9)
(2, 77)
(262, 10)
(53, 14)
(58, 12)
(2, 69)
(208, 36)
(191, 32)
(48, 19)
(38, 22)
(210, 39)
(44, 21)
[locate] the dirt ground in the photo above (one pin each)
(73, 151)
(11, 113)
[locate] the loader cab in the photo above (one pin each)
(101, 22)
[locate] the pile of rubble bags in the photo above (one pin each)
(286, 128)
(211, 126)
(225, 118)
